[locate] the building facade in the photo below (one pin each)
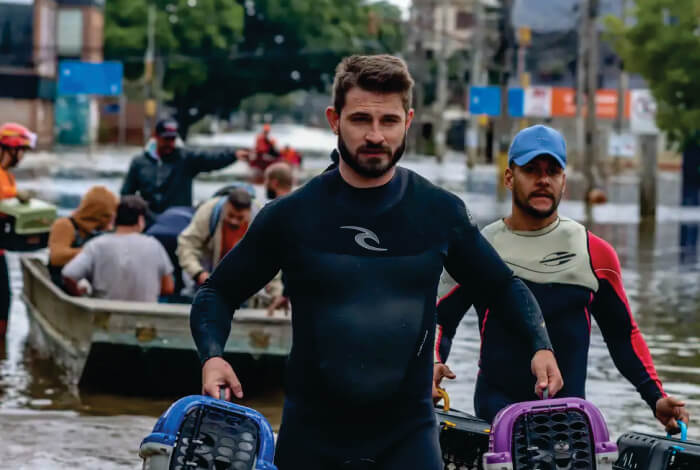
(34, 36)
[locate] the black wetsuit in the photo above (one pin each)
(362, 268)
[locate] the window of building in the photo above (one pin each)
(70, 32)
(464, 20)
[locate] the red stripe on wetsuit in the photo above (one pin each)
(606, 266)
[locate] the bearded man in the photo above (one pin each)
(573, 275)
(362, 277)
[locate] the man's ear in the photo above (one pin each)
(333, 118)
(508, 178)
(409, 118)
(563, 186)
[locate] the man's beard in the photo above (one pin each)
(271, 193)
(370, 167)
(523, 203)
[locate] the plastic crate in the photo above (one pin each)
(464, 439)
(550, 434)
(202, 433)
(639, 451)
(25, 226)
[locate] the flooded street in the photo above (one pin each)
(46, 425)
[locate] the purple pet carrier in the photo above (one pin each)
(561, 433)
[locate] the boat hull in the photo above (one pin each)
(141, 347)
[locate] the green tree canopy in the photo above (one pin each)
(217, 52)
(663, 46)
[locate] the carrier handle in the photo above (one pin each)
(684, 431)
(545, 394)
(445, 398)
(222, 393)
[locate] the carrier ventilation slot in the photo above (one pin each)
(553, 440)
(210, 439)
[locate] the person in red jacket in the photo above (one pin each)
(266, 154)
(14, 140)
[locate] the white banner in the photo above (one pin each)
(538, 101)
(642, 112)
(622, 145)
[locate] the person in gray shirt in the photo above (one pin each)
(124, 265)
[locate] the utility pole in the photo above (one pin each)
(647, 185)
(591, 132)
(622, 85)
(524, 41)
(622, 81)
(148, 72)
(414, 52)
(475, 79)
(503, 128)
(581, 66)
(441, 91)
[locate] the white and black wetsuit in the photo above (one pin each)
(574, 275)
(362, 268)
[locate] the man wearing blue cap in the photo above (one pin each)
(572, 274)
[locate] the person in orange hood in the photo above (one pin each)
(68, 234)
(14, 140)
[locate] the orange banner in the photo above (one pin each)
(564, 103)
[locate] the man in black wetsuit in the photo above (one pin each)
(362, 278)
(574, 276)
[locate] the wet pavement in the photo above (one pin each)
(46, 425)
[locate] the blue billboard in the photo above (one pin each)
(90, 78)
(485, 100)
(516, 102)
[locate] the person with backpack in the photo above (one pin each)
(94, 215)
(217, 226)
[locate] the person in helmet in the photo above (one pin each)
(15, 139)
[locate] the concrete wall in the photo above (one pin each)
(93, 34)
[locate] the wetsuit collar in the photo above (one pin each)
(371, 200)
(534, 233)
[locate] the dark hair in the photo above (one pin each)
(381, 73)
(240, 199)
(280, 172)
(129, 209)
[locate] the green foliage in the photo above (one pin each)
(663, 46)
(218, 52)
(187, 33)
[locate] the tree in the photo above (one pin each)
(663, 46)
(217, 52)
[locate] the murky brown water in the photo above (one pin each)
(46, 425)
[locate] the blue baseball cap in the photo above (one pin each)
(537, 140)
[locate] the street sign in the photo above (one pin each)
(538, 101)
(89, 78)
(643, 112)
(622, 145)
(516, 98)
(485, 100)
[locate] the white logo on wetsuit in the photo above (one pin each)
(365, 234)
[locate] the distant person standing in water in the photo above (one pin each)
(14, 141)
